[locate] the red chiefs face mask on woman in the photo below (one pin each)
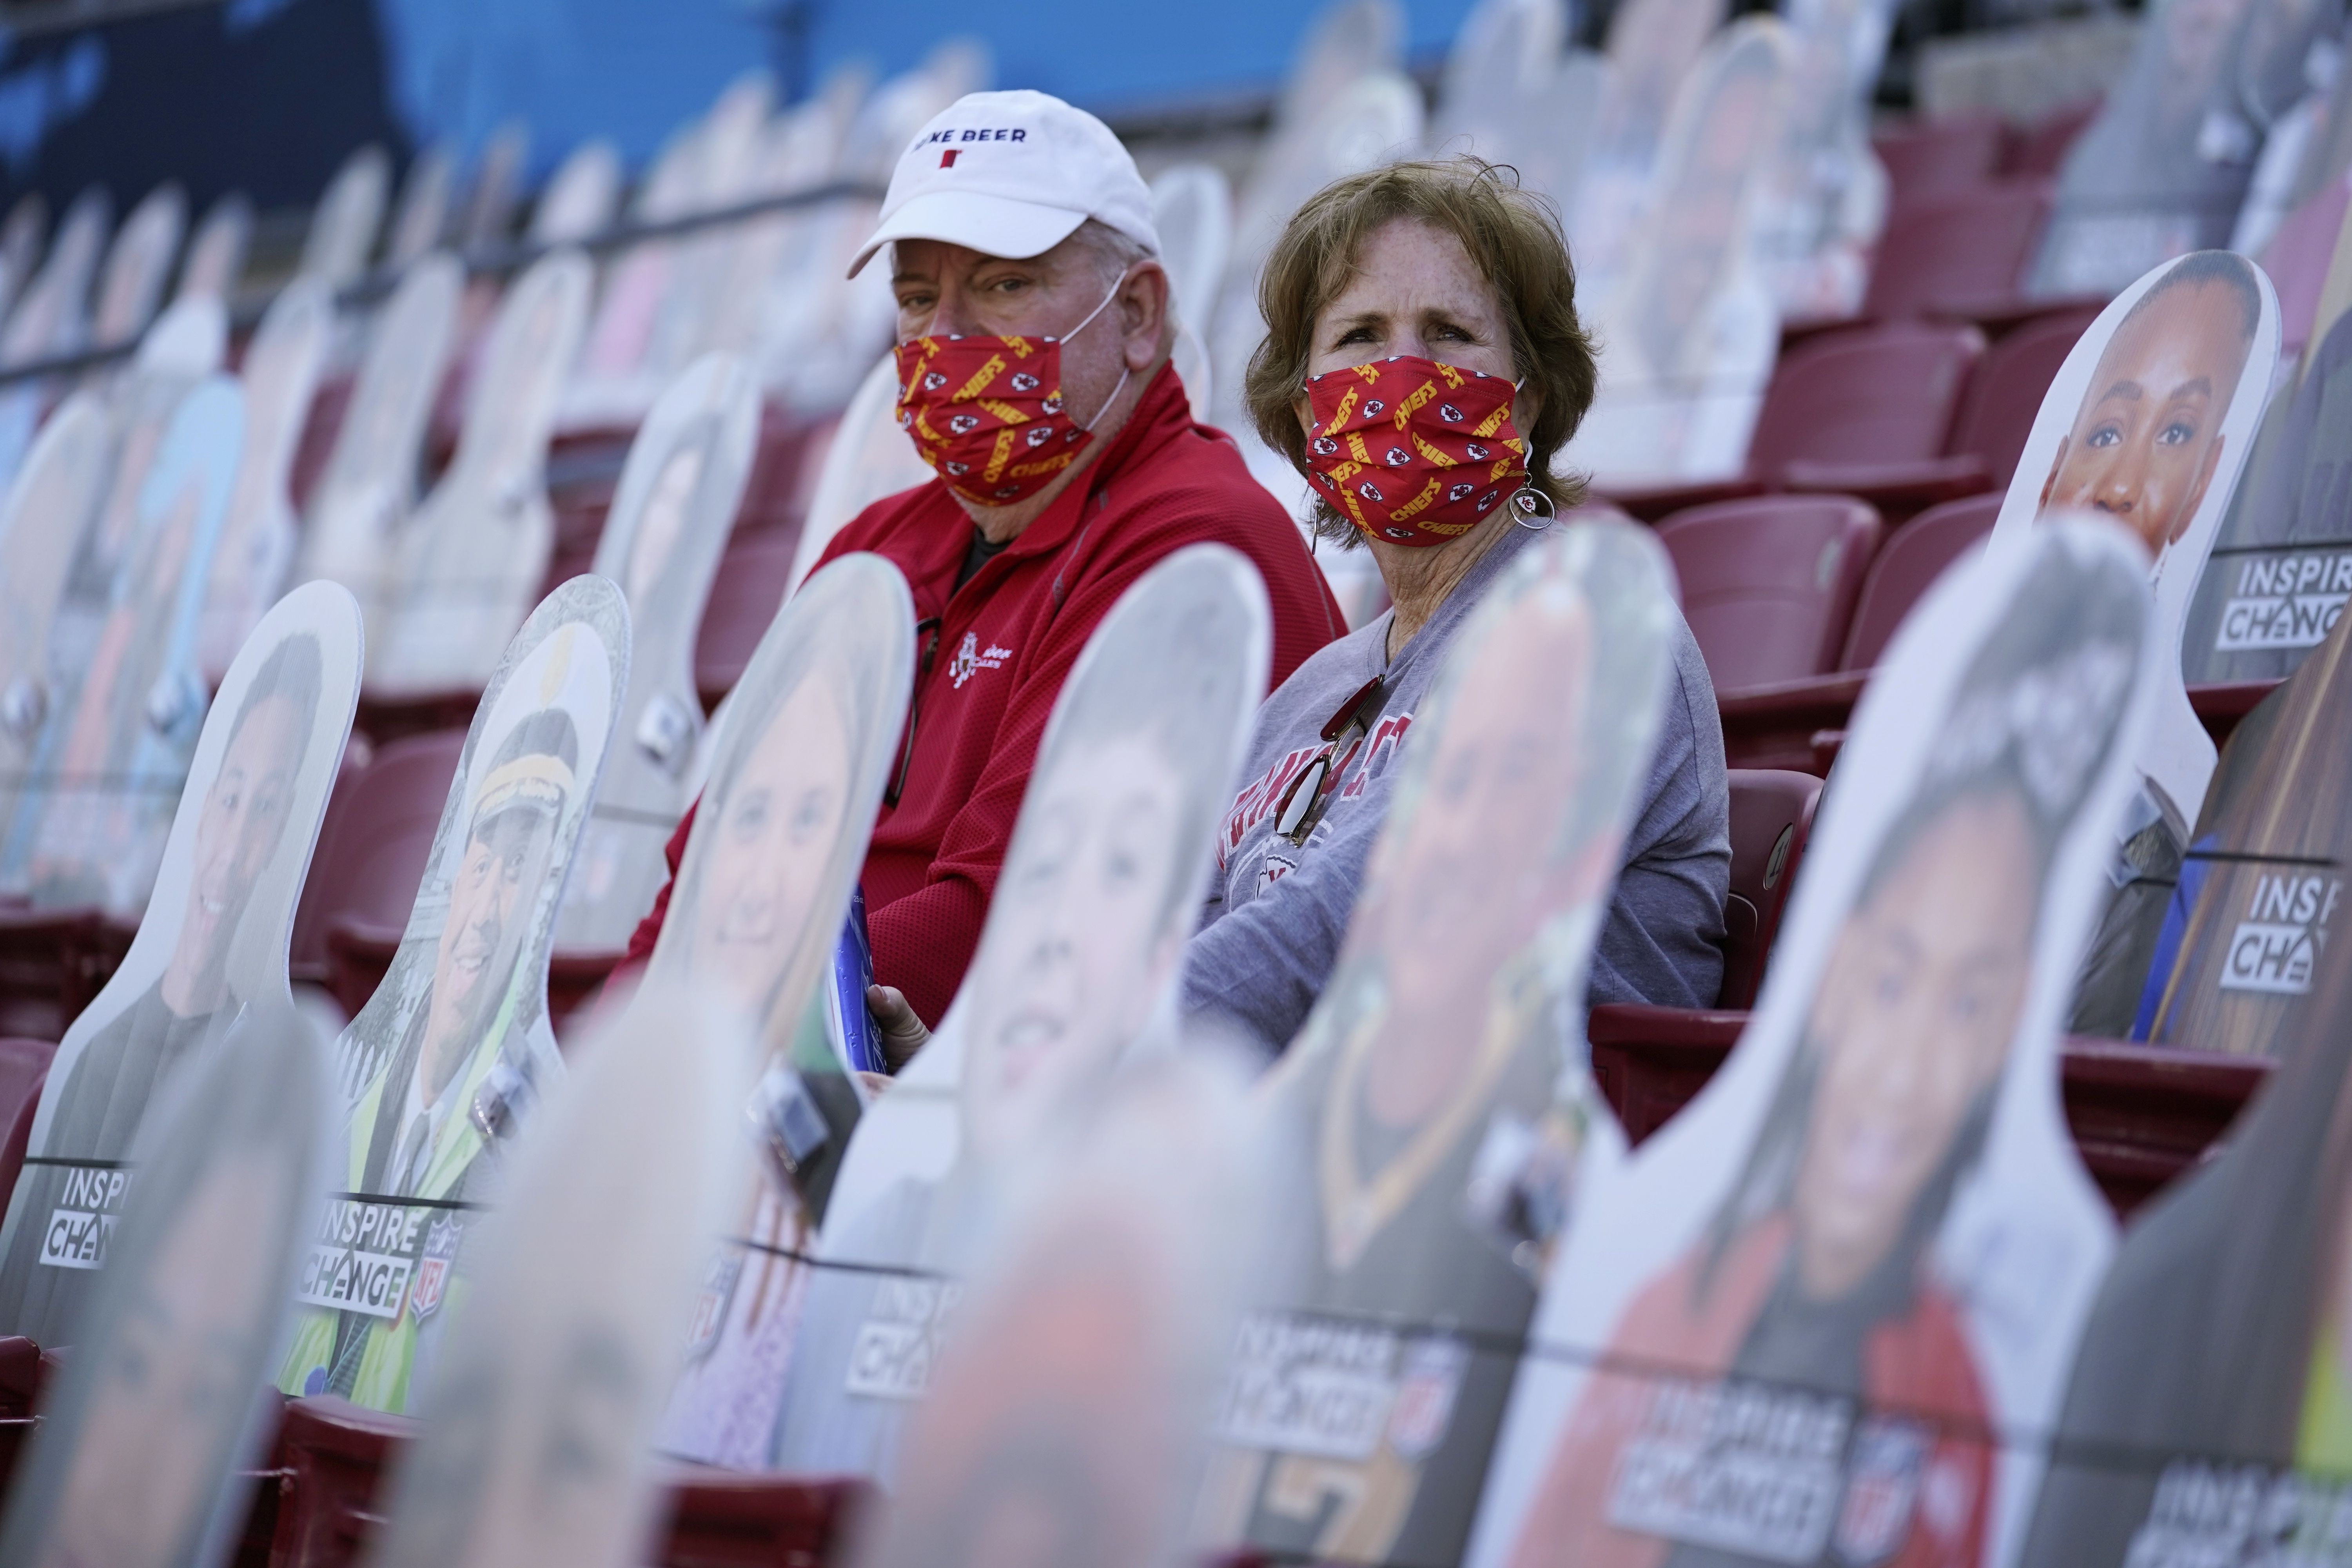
(987, 412)
(1412, 451)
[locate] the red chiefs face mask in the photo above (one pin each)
(987, 412)
(1412, 451)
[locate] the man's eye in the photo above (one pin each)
(2179, 433)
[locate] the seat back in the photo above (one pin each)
(2004, 395)
(1771, 817)
(744, 597)
(1936, 157)
(2038, 151)
(377, 837)
(306, 957)
(1768, 582)
(1872, 394)
(1963, 246)
(27, 1080)
(1912, 557)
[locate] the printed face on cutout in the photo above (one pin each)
(1912, 1025)
(664, 516)
(243, 818)
(2145, 441)
(548, 1478)
(491, 902)
(178, 1379)
(1079, 936)
(1475, 871)
(781, 813)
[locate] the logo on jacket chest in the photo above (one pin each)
(971, 658)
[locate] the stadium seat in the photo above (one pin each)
(2296, 260)
(2140, 1115)
(332, 1458)
(319, 428)
(1768, 582)
(1867, 412)
(1771, 817)
(306, 958)
(20, 1396)
(1932, 158)
(52, 963)
(744, 598)
(363, 883)
(1910, 561)
(24, 1072)
(1957, 250)
(1996, 412)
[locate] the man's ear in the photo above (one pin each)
(1144, 314)
(2051, 483)
(2195, 496)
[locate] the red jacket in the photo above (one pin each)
(991, 656)
(1929, 1509)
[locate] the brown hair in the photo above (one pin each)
(1514, 239)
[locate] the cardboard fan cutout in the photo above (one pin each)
(1427, 1115)
(540, 1412)
(21, 234)
(1067, 1423)
(148, 1440)
(445, 1062)
(1100, 886)
(2245, 933)
(2281, 568)
(131, 285)
(344, 223)
(369, 482)
(1795, 1326)
(2164, 168)
(464, 568)
(2205, 1419)
(580, 198)
(215, 258)
(2150, 420)
(662, 539)
(209, 957)
(1652, 50)
(1689, 335)
(420, 221)
(116, 748)
(490, 208)
(50, 318)
(257, 548)
(1823, 196)
(41, 526)
(868, 457)
(799, 765)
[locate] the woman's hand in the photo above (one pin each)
(903, 1034)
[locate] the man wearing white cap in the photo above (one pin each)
(1033, 333)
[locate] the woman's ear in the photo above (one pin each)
(1305, 410)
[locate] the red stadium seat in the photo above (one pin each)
(743, 600)
(1912, 557)
(1936, 157)
(1771, 817)
(2005, 394)
(1867, 412)
(1768, 582)
(24, 1071)
(52, 963)
(306, 959)
(2296, 260)
(1956, 250)
(364, 881)
(332, 1458)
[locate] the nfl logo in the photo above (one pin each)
(1426, 1396)
(441, 1238)
(1881, 1489)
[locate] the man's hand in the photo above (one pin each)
(903, 1034)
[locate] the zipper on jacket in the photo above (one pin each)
(930, 633)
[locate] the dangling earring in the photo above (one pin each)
(1525, 502)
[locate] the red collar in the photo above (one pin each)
(1160, 416)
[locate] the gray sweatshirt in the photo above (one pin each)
(1276, 912)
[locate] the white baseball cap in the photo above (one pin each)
(1012, 175)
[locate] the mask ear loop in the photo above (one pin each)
(1123, 372)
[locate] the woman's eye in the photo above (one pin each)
(1354, 335)
(2109, 435)
(2178, 433)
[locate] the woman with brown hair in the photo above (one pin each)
(1422, 366)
